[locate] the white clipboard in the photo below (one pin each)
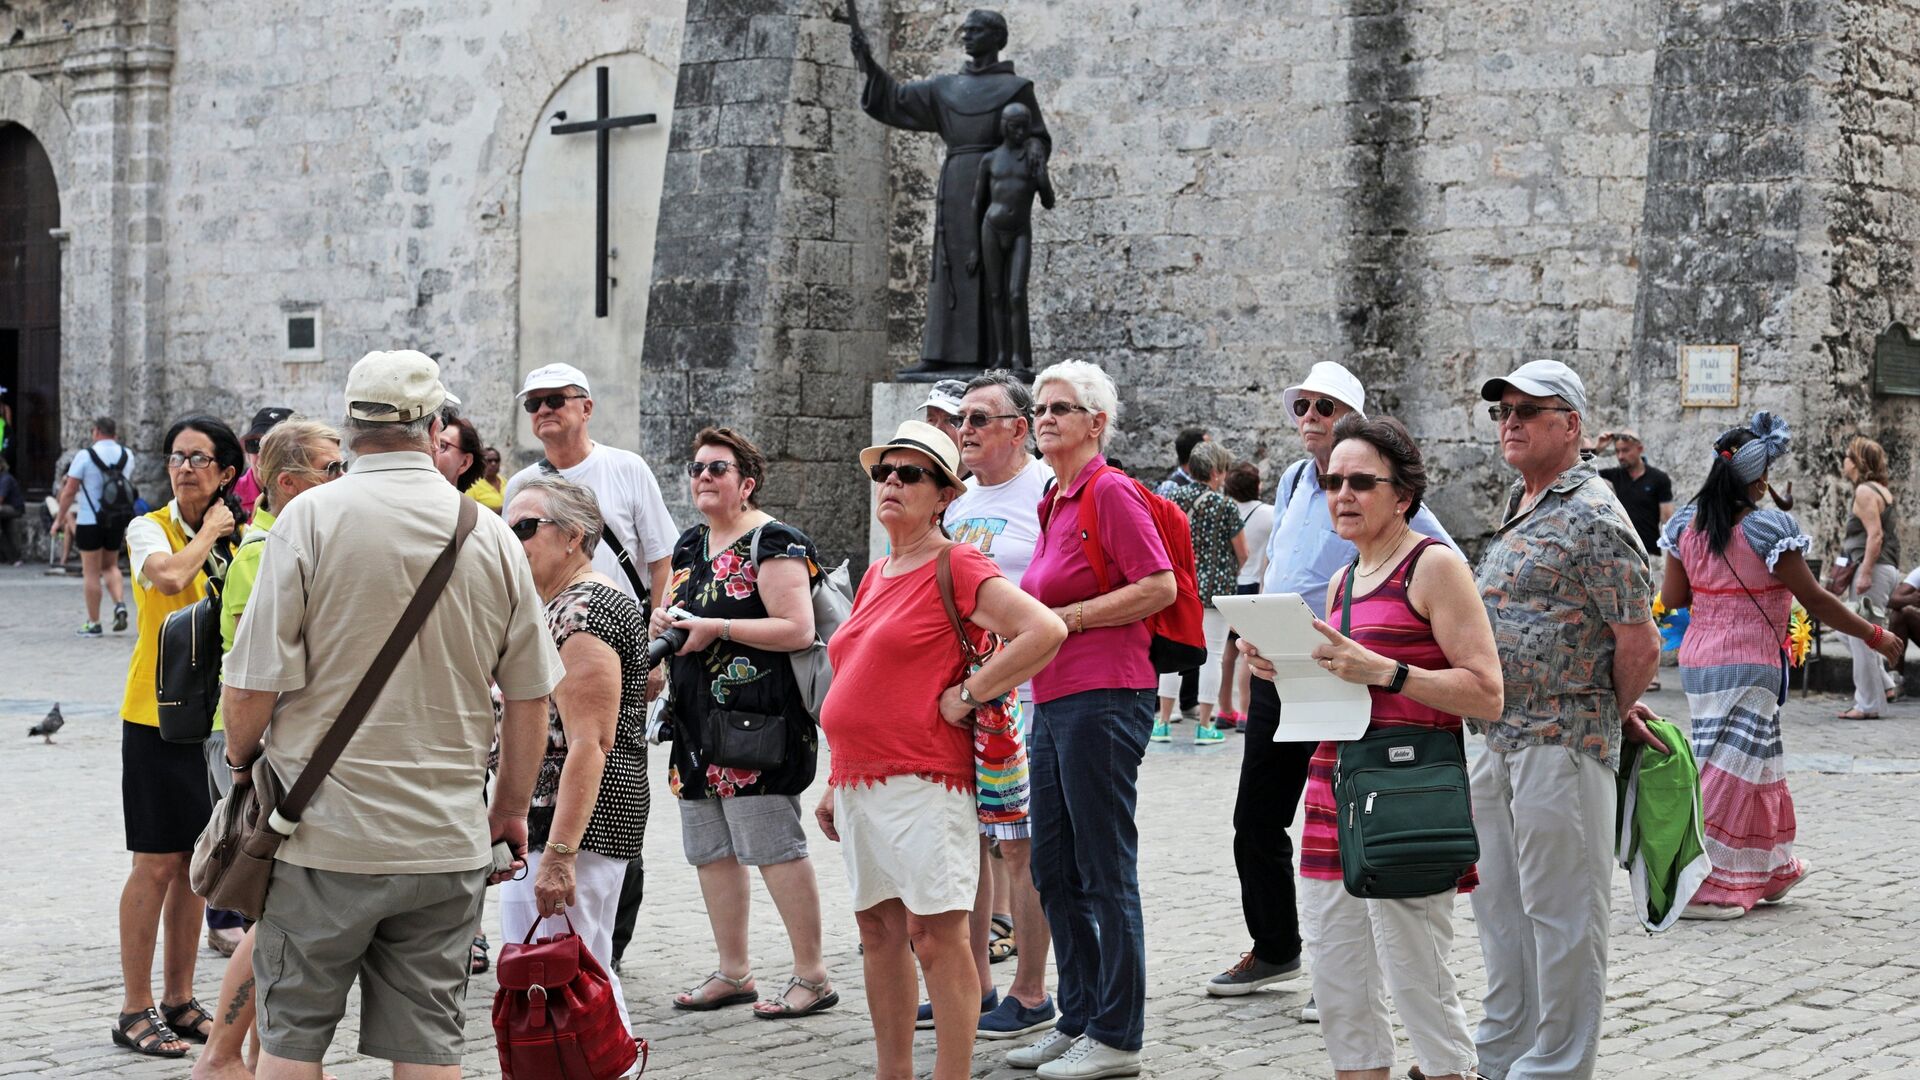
(1318, 704)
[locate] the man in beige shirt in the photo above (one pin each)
(387, 871)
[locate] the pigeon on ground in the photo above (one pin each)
(45, 728)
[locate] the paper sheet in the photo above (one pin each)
(1315, 704)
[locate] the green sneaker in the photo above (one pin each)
(1160, 732)
(1208, 735)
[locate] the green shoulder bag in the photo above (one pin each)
(1405, 811)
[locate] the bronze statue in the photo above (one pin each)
(1003, 205)
(965, 108)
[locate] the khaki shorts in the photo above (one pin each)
(406, 937)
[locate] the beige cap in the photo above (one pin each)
(404, 379)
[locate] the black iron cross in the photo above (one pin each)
(600, 126)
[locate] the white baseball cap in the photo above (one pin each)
(553, 377)
(945, 396)
(1330, 380)
(406, 381)
(1541, 378)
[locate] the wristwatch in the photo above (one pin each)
(1399, 678)
(966, 695)
(559, 848)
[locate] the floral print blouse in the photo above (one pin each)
(1215, 521)
(731, 675)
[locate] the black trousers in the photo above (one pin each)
(1272, 777)
(1190, 688)
(628, 909)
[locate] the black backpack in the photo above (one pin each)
(115, 510)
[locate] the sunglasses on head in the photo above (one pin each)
(909, 474)
(556, 402)
(1060, 408)
(715, 469)
(981, 419)
(526, 527)
(1360, 481)
(1323, 406)
(1524, 412)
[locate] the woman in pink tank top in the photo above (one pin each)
(1423, 643)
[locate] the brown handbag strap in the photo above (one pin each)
(943, 573)
(335, 741)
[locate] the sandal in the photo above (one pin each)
(153, 1034)
(1000, 945)
(185, 1019)
(742, 994)
(1856, 714)
(477, 958)
(781, 1009)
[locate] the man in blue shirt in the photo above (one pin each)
(99, 541)
(1303, 554)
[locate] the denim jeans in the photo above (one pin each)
(1085, 760)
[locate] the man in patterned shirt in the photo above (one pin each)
(1567, 585)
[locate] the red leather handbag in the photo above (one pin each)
(555, 1015)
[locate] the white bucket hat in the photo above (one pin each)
(1330, 380)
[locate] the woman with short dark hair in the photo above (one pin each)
(457, 449)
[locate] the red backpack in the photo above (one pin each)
(1179, 638)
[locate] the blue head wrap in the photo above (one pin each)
(1751, 461)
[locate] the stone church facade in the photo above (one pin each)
(251, 195)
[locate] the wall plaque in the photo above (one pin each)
(1896, 362)
(1709, 375)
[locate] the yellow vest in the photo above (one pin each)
(139, 704)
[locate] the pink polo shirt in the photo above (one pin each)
(1107, 657)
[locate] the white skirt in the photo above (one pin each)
(909, 839)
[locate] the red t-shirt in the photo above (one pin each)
(892, 659)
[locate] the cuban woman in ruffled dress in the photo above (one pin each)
(1739, 568)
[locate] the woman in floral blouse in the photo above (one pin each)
(745, 580)
(1219, 547)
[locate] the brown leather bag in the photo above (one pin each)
(233, 859)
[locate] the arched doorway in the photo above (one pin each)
(29, 308)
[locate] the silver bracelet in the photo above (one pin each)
(726, 630)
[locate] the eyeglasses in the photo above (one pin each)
(556, 402)
(195, 460)
(909, 474)
(1525, 412)
(526, 527)
(1323, 406)
(1060, 408)
(1360, 481)
(980, 419)
(715, 469)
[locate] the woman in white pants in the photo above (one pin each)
(1419, 636)
(589, 809)
(1871, 549)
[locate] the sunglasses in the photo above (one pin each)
(556, 402)
(715, 469)
(526, 527)
(335, 469)
(251, 446)
(980, 419)
(1059, 408)
(1526, 411)
(909, 474)
(1360, 481)
(1323, 406)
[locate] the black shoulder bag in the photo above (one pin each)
(187, 669)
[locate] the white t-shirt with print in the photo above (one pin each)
(630, 501)
(1002, 520)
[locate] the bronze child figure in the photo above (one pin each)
(1009, 178)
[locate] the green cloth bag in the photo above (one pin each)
(1658, 828)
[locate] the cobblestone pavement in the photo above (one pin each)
(1826, 986)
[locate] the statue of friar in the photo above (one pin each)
(965, 108)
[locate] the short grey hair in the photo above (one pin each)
(392, 433)
(1207, 459)
(1092, 388)
(1017, 393)
(573, 507)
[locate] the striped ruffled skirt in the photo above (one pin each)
(1743, 781)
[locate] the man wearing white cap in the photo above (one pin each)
(942, 407)
(1566, 583)
(637, 548)
(384, 878)
(1303, 554)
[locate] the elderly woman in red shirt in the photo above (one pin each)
(900, 719)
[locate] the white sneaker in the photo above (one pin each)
(1033, 1055)
(1089, 1059)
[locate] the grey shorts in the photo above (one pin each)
(756, 830)
(219, 777)
(406, 937)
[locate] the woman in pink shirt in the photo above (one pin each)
(900, 719)
(1094, 711)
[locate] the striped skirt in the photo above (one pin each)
(1743, 782)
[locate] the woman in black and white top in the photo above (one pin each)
(589, 809)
